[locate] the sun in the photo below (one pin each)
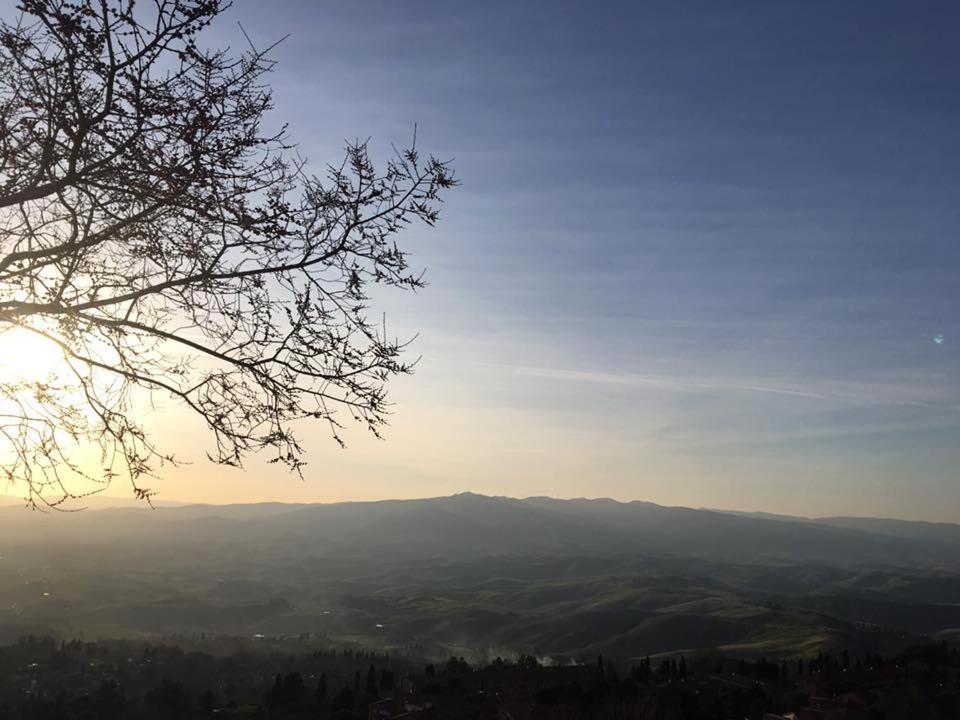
(27, 357)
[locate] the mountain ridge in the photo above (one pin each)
(468, 525)
(590, 575)
(96, 503)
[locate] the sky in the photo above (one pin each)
(699, 255)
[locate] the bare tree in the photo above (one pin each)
(155, 233)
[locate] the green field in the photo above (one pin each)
(246, 574)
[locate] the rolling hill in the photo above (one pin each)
(480, 575)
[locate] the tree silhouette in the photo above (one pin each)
(344, 699)
(169, 697)
(274, 697)
(386, 680)
(166, 244)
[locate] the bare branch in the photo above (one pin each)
(162, 240)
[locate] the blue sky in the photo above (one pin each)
(699, 256)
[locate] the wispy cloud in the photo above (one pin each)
(878, 392)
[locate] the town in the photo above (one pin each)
(46, 679)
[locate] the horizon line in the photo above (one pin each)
(133, 504)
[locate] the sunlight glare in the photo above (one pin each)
(27, 357)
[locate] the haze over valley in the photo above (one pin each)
(482, 576)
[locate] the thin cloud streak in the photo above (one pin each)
(694, 384)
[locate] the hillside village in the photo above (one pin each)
(45, 679)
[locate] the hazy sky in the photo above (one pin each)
(699, 256)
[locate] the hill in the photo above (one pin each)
(478, 575)
(474, 526)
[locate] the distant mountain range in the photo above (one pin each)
(470, 526)
(482, 575)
